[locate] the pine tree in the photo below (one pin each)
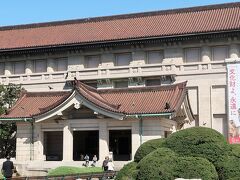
(8, 96)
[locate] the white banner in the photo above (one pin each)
(233, 75)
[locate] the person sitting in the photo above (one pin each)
(86, 159)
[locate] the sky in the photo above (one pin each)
(15, 12)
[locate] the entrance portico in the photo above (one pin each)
(92, 121)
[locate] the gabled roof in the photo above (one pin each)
(186, 21)
(138, 100)
(35, 103)
(127, 101)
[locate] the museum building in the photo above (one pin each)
(107, 84)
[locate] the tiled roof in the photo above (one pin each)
(34, 103)
(128, 101)
(187, 21)
(140, 100)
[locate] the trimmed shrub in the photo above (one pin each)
(164, 164)
(230, 168)
(147, 148)
(195, 167)
(199, 142)
(235, 150)
(157, 165)
(128, 172)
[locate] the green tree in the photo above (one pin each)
(8, 96)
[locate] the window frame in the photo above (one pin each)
(56, 64)
(212, 52)
(147, 56)
(3, 64)
(86, 61)
(14, 67)
(118, 54)
(190, 48)
(34, 65)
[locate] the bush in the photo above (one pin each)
(230, 168)
(68, 170)
(164, 164)
(157, 165)
(235, 150)
(147, 148)
(128, 172)
(1, 176)
(199, 142)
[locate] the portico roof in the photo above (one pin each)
(125, 101)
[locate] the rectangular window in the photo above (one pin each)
(19, 67)
(61, 64)
(40, 66)
(92, 61)
(2, 68)
(192, 55)
(152, 82)
(123, 59)
(120, 84)
(154, 57)
(219, 53)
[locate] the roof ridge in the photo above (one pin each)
(146, 88)
(123, 16)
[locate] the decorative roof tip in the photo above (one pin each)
(122, 16)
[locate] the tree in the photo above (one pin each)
(8, 96)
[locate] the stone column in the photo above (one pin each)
(39, 154)
(205, 115)
(138, 57)
(206, 54)
(29, 67)
(8, 68)
(50, 65)
(67, 142)
(107, 60)
(135, 137)
(103, 140)
(234, 51)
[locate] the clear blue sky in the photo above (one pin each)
(13, 12)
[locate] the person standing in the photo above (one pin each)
(86, 158)
(105, 162)
(110, 165)
(94, 160)
(7, 168)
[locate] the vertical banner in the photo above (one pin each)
(233, 75)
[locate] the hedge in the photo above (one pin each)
(128, 172)
(199, 142)
(164, 164)
(147, 148)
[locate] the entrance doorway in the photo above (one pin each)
(53, 145)
(120, 143)
(85, 142)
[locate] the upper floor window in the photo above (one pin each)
(120, 84)
(154, 57)
(2, 68)
(40, 66)
(92, 61)
(152, 82)
(61, 64)
(219, 53)
(192, 55)
(19, 67)
(123, 59)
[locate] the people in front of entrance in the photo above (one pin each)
(86, 159)
(110, 165)
(105, 163)
(94, 161)
(7, 168)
